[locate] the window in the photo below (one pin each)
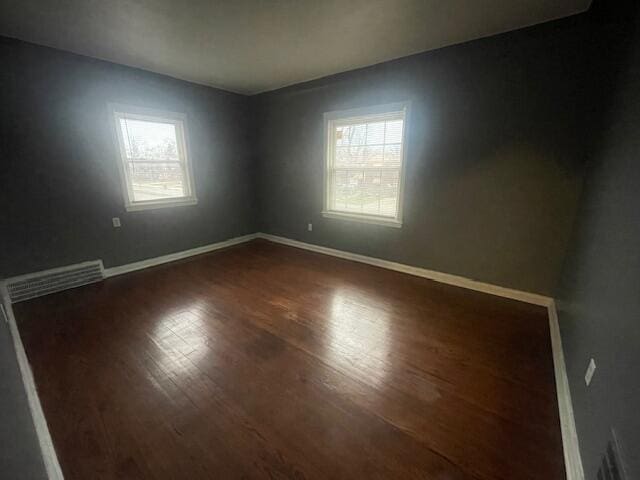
(154, 162)
(364, 164)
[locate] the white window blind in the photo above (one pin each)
(154, 165)
(364, 164)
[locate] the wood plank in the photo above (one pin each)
(266, 361)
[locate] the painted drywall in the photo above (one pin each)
(599, 295)
(498, 134)
(60, 184)
(20, 455)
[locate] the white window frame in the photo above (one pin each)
(366, 114)
(179, 120)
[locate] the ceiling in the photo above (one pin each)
(250, 46)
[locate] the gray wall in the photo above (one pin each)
(60, 187)
(58, 170)
(497, 140)
(500, 134)
(599, 297)
(20, 455)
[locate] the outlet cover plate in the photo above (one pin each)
(590, 371)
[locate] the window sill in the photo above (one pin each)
(363, 219)
(183, 202)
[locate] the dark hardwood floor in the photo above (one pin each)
(265, 361)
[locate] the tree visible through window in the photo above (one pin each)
(364, 164)
(154, 163)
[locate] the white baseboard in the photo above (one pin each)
(447, 278)
(172, 257)
(570, 443)
(49, 457)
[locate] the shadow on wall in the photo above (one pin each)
(599, 305)
(520, 192)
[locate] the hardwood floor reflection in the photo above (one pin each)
(265, 361)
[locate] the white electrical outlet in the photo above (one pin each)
(310, 227)
(116, 222)
(590, 371)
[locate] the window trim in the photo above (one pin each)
(330, 119)
(179, 120)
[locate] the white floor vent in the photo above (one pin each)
(50, 281)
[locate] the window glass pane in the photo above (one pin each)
(366, 156)
(375, 133)
(349, 156)
(145, 140)
(393, 132)
(389, 190)
(374, 156)
(156, 181)
(366, 167)
(370, 191)
(340, 190)
(342, 136)
(351, 135)
(392, 155)
(347, 191)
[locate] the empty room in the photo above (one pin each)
(304, 239)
